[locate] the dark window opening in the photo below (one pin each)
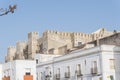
(28, 73)
(36, 61)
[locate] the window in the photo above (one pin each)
(27, 71)
(67, 73)
(79, 43)
(94, 67)
(78, 71)
(112, 63)
(37, 76)
(58, 73)
(94, 64)
(36, 61)
(85, 62)
(48, 72)
(68, 69)
(41, 76)
(79, 67)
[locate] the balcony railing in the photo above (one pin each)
(49, 75)
(67, 74)
(78, 73)
(94, 71)
(57, 76)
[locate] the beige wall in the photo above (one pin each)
(32, 43)
(20, 46)
(55, 40)
(11, 51)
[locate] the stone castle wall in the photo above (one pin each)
(54, 42)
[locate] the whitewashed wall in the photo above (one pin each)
(86, 68)
(25, 64)
(16, 69)
(110, 52)
(101, 54)
(0, 71)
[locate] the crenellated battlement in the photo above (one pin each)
(34, 33)
(23, 42)
(11, 47)
(57, 33)
(65, 34)
(54, 39)
(83, 35)
(68, 34)
(52, 32)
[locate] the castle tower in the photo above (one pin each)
(56, 41)
(10, 53)
(20, 46)
(101, 33)
(32, 44)
(80, 38)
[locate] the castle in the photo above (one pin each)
(52, 42)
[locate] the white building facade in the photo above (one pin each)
(0, 71)
(97, 63)
(44, 71)
(19, 70)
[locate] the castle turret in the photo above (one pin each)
(32, 44)
(20, 46)
(10, 53)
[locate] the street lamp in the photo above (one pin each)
(6, 11)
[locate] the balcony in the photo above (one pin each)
(57, 76)
(49, 75)
(67, 74)
(78, 73)
(94, 71)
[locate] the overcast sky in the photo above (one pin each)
(62, 15)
